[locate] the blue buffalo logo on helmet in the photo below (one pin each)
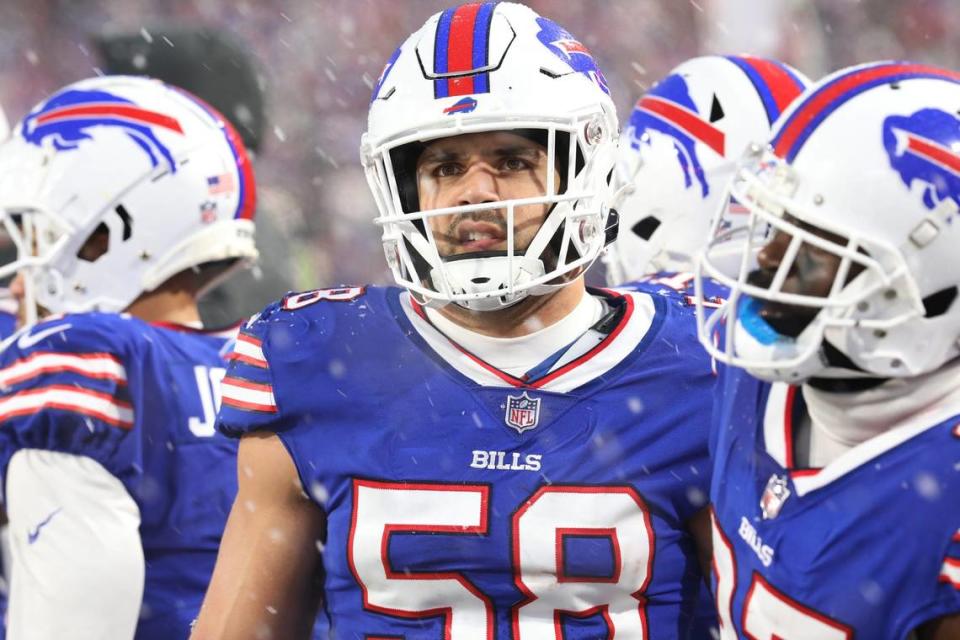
(669, 110)
(570, 50)
(72, 116)
(922, 148)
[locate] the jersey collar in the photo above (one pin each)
(613, 338)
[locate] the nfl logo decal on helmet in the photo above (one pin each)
(522, 412)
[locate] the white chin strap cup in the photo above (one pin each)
(469, 282)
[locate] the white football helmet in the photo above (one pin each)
(865, 167)
(678, 152)
(162, 172)
(487, 67)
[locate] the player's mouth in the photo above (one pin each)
(475, 235)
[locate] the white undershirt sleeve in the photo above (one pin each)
(77, 568)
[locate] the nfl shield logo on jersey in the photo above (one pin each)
(774, 496)
(523, 412)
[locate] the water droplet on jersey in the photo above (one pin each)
(337, 368)
(927, 486)
(871, 592)
(635, 405)
(319, 493)
(696, 496)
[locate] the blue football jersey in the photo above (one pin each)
(866, 547)
(8, 325)
(463, 502)
(140, 399)
(682, 284)
(8, 313)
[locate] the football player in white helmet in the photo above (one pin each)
(677, 155)
(836, 434)
(533, 427)
(126, 198)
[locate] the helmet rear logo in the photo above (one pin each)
(72, 116)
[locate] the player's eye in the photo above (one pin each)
(447, 170)
(514, 163)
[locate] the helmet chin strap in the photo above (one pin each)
(841, 374)
(481, 273)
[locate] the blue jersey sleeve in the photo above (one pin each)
(64, 386)
(248, 403)
(272, 349)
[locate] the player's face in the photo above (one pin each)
(18, 292)
(476, 168)
(811, 274)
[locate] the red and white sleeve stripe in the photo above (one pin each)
(249, 350)
(950, 572)
(100, 366)
(95, 404)
(247, 395)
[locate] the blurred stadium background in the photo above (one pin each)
(316, 61)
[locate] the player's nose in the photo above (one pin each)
(771, 255)
(478, 185)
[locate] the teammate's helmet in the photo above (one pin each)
(865, 167)
(678, 152)
(493, 67)
(162, 173)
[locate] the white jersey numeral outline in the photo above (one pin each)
(768, 613)
(208, 381)
(538, 531)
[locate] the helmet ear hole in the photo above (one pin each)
(937, 304)
(96, 245)
(646, 227)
